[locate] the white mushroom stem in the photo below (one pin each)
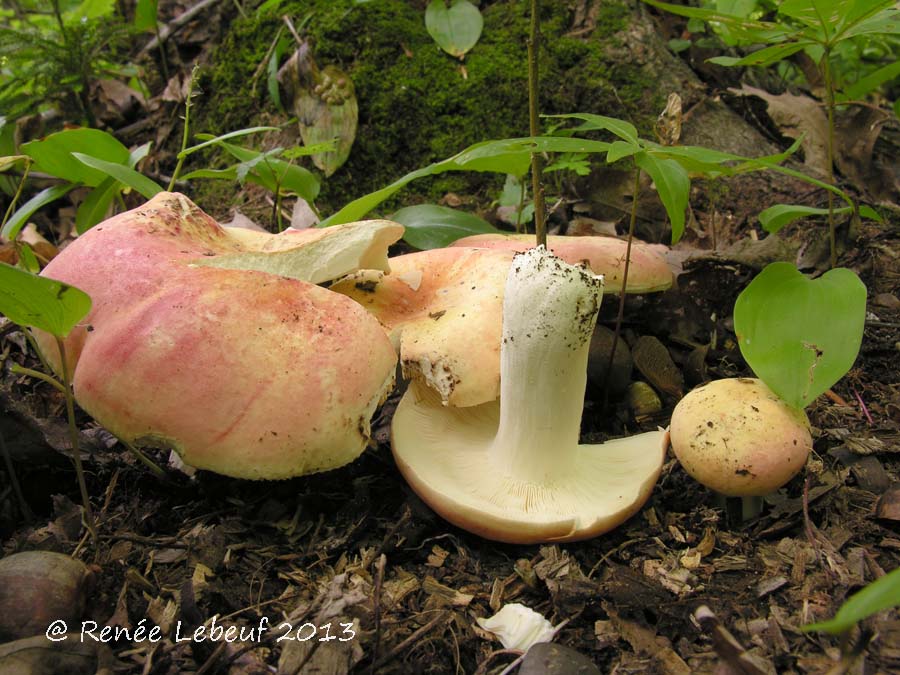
(549, 312)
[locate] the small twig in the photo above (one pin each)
(807, 525)
(176, 24)
(379, 582)
(146, 461)
(400, 648)
(862, 405)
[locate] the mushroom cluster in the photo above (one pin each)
(217, 342)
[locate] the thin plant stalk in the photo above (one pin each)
(540, 228)
(146, 461)
(38, 375)
(829, 100)
(73, 439)
(15, 199)
(621, 313)
(187, 130)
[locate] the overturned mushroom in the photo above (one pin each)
(512, 470)
(648, 271)
(218, 343)
(442, 309)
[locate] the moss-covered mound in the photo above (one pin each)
(418, 104)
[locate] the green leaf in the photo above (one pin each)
(800, 335)
(96, 205)
(145, 15)
(738, 27)
(865, 85)
(881, 594)
(455, 27)
(870, 213)
(20, 218)
(214, 140)
(624, 130)
(432, 226)
(220, 174)
(122, 173)
(47, 304)
(673, 186)
(776, 217)
(53, 155)
(28, 260)
(620, 149)
(273, 172)
(763, 57)
(510, 155)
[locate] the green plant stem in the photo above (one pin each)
(38, 375)
(829, 99)
(621, 313)
(73, 439)
(187, 130)
(520, 207)
(540, 229)
(143, 459)
(15, 199)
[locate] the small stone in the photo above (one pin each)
(655, 363)
(547, 658)
(643, 400)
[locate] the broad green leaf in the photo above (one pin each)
(122, 173)
(432, 226)
(455, 26)
(800, 335)
(511, 155)
(624, 130)
(776, 217)
(53, 155)
(213, 140)
(822, 13)
(881, 594)
(870, 213)
(96, 205)
(145, 15)
(764, 57)
(47, 304)
(20, 218)
(673, 186)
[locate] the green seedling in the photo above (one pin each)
(455, 25)
(800, 335)
(879, 595)
(54, 307)
(818, 28)
(432, 226)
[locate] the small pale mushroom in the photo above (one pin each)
(738, 438)
(219, 343)
(647, 273)
(513, 470)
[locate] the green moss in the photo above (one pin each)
(417, 104)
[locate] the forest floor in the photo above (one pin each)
(355, 547)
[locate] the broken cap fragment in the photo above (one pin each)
(647, 273)
(513, 470)
(252, 373)
(442, 309)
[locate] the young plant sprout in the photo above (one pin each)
(512, 470)
(738, 438)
